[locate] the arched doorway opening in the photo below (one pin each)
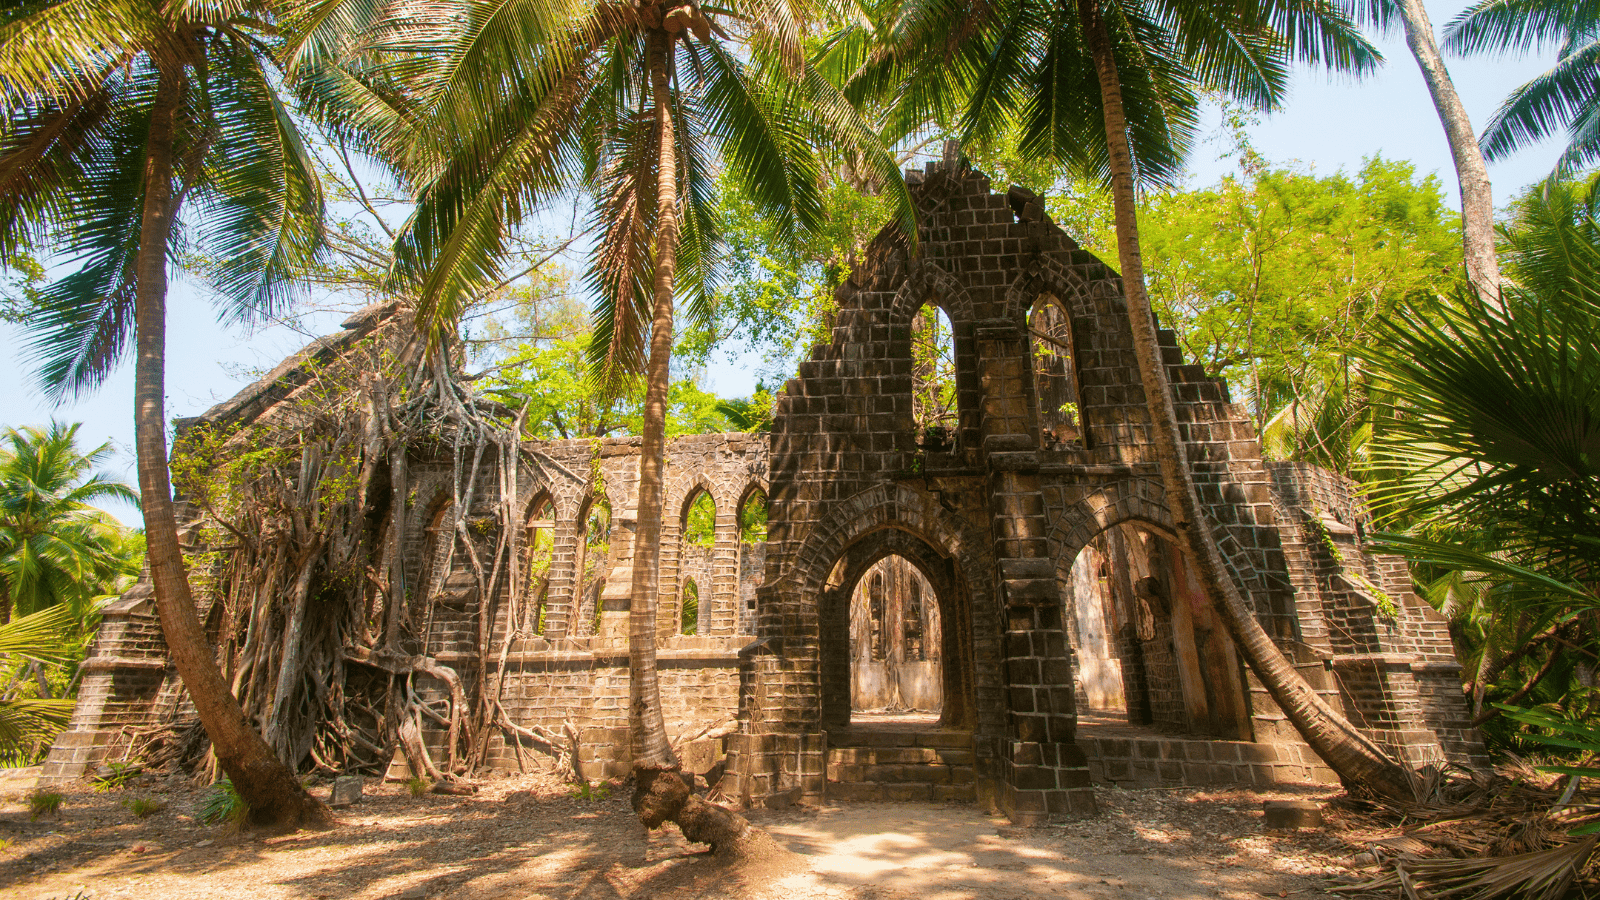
(896, 633)
(895, 658)
(1149, 647)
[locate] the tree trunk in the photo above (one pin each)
(1358, 760)
(660, 794)
(1477, 198)
(271, 791)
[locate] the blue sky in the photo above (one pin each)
(1328, 124)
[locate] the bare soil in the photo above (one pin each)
(531, 838)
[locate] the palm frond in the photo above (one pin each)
(86, 317)
(1548, 104)
(1519, 26)
(261, 200)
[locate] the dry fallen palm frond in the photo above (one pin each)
(1515, 832)
(1539, 875)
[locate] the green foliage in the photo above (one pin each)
(1489, 419)
(1565, 97)
(933, 371)
(1271, 280)
(222, 804)
(777, 296)
(700, 520)
(591, 791)
(118, 778)
(79, 130)
(1025, 72)
(143, 807)
(689, 609)
(552, 378)
(55, 546)
(418, 785)
(43, 803)
(30, 645)
(753, 519)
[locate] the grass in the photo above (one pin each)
(418, 785)
(43, 803)
(143, 807)
(223, 804)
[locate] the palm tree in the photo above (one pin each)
(1564, 98)
(55, 548)
(113, 114)
(1109, 87)
(1472, 176)
(635, 105)
(45, 636)
(1493, 417)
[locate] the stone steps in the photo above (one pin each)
(931, 766)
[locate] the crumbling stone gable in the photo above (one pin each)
(996, 520)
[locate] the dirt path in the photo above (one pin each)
(531, 839)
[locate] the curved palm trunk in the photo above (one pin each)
(1477, 198)
(273, 794)
(660, 794)
(1358, 760)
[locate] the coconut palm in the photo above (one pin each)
(1472, 175)
(1564, 98)
(1108, 87)
(118, 117)
(637, 106)
(45, 636)
(55, 547)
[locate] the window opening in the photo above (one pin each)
(541, 550)
(933, 378)
(689, 609)
(1055, 376)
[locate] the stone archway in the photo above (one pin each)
(1149, 646)
(943, 576)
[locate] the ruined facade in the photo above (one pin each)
(1003, 581)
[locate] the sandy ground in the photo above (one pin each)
(529, 838)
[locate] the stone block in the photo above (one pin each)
(346, 791)
(1289, 814)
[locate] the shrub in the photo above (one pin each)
(418, 785)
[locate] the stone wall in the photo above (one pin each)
(1048, 460)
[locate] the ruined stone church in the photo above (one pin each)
(990, 610)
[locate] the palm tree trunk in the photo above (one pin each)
(1477, 198)
(647, 731)
(1357, 760)
(271, 791)
(660, 794)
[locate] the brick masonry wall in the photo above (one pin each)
(993, 520)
